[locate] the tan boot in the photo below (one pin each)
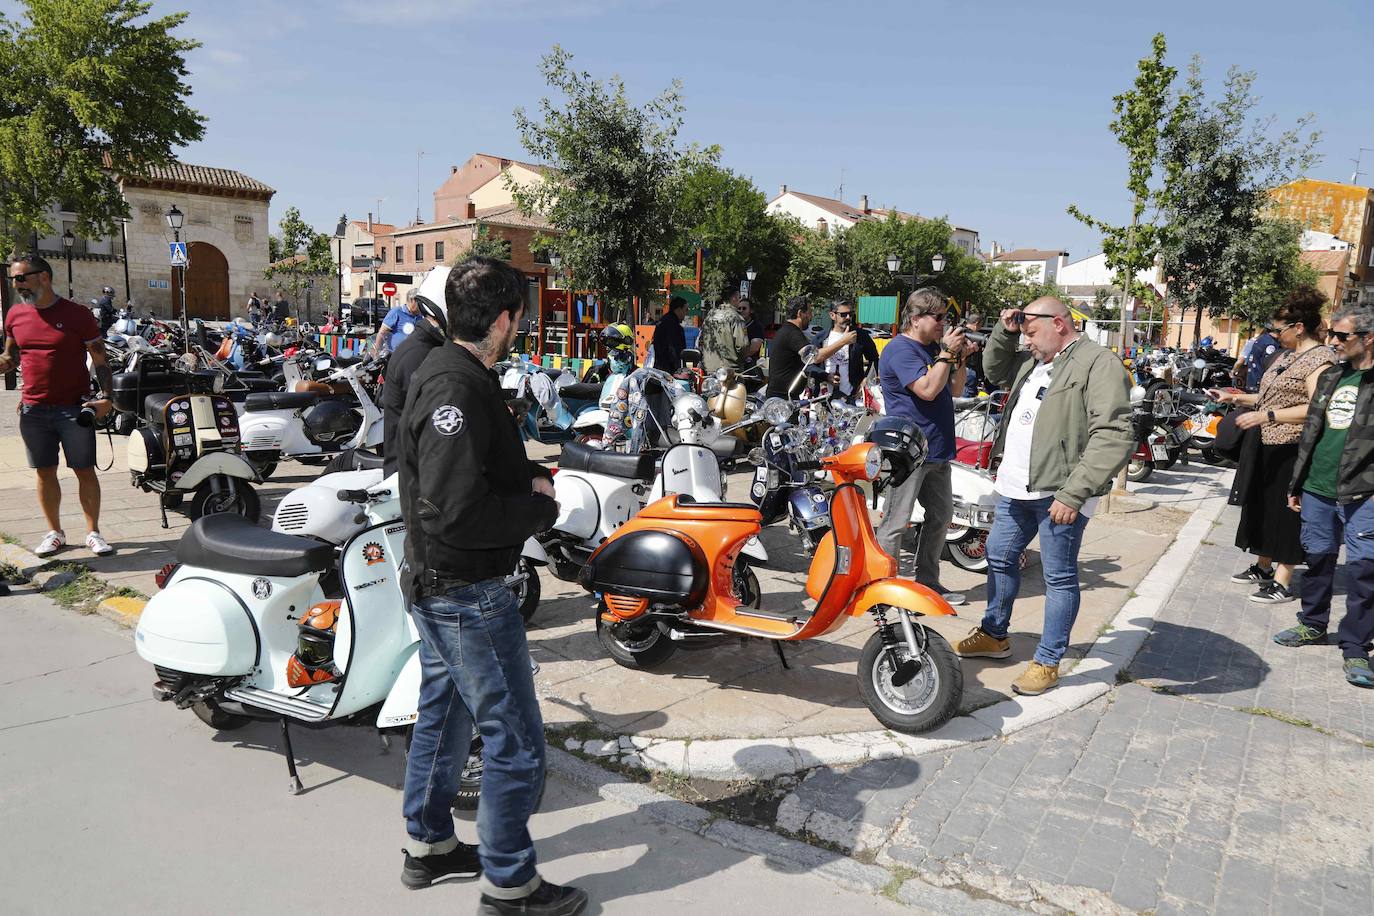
(978, 644)
(1036, 679)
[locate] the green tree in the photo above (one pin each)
(1220, 163)
(728, 216)
(486, 245)
(1002, 286)
(1274, 268)
(299, 257)
(1141, 114)
(811, 268)
(616, 178)
(87, 90)
(863, 249)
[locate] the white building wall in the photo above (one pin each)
(807, 213)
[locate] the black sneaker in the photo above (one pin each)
(1273, 593)
(422, 871)
(1254, 574)
(1300, 635)
(546, 900)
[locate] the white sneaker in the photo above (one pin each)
(97, 544)
(52, 542)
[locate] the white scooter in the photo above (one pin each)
(309, 426)
(599, 490)
(315, 511)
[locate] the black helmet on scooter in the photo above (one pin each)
(903, 446)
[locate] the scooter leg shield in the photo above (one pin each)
(402, 703)
(197, 626)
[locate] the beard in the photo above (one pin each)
(27, 296)
(496, 348)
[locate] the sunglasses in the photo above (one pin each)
(1343, 336)
(24, 276)
(1291, 324)
(1021, 317)
(844, 314)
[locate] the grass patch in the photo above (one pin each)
(1105, 629)
(11, 573)
(11, 539)
(83, 593)
(1209, 543)
(1280, 716)
(900, 875)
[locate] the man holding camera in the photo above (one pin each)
(49, 337)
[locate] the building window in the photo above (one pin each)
(400, 255)
(383, 255)
(438, 251)
(419, 252)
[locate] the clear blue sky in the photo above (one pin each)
(994, 113)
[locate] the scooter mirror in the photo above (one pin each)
(1199, 364)
(808, 355)
(756, 457)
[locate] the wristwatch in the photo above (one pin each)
(1271, 417)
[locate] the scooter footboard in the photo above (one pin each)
(902, 593)
(198, 626)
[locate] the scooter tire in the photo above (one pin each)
(1139, 471)
(969, 552)
(938, 686)
(204, 502)
(527, 595)
(645, 655)
(217, 718)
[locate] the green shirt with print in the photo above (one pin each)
(1326, 455)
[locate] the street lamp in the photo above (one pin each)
(937, 265)
(175, 219)
(339, 231)
(68, 240)
(749, 274)
(556, 262)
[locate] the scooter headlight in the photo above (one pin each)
(776, 411)
(873, 463)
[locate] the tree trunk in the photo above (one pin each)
(1197, 326)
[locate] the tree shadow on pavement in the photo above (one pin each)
(1193, 661)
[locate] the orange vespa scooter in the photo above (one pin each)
(673, 575)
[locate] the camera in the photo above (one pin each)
(978, 337)
(86, 417)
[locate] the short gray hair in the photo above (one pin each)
(412, 293)
(1362, 315)
(925, 301)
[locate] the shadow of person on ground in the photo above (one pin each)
(1196, 662)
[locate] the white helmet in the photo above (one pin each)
(272, 339)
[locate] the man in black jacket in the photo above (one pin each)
(669, 338)
(1333, 479)
(470, 498)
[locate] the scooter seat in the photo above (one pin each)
(580, 391)
(1192, 397)
(153, 407)
(973, 452)
(364, 460)
(684, 506)
(259, 401)
(579, 457)
(230, 543)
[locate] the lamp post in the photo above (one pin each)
(556, 262)
(68, 240)
(175, 219)
(124, 238)
(750, 274)
(339, 232)
(937, 265)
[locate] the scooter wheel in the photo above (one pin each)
(243, 501)
(969, 552)
(926, 701)
(217, 718)
(527, 591)
(1139, 470)
(638, 645)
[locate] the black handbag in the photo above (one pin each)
(1227, 441)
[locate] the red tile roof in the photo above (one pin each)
(1029, 254)
(198, 176)
(1327, 262)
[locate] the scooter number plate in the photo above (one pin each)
(1160, 451)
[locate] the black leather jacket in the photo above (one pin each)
(1355, 479)
(465, 481)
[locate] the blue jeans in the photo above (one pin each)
(1016, 523)
(1326, 525)
(475, 665)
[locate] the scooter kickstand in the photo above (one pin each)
(295, 787)
(777, 647)
(386, 741)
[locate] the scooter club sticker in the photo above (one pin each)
(262, 589)
(448, 420)
(373, 553)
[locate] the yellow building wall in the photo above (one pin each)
(1329, 206)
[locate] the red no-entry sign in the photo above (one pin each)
(388, 288)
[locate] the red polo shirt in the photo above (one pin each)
(52, 344)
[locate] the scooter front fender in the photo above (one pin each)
(534, 552)
(402, 704)
(212, 463)
(754, 549)
(902, 593)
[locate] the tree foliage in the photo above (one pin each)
(85, 85)
(812, 270)
(298, 255)
(1141, 115)
(1274, 268)
(486, 245)
(617, 173)
(728, 216)
(1220, 163)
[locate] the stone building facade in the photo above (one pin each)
(225, 223)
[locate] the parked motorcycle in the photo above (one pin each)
(184, 440)
(673, 576)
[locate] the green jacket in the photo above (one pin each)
(723, 339)
(1083, 433)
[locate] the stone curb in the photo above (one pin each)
(124, 611)
(28, 564)
(1093, 676)
(782, 853)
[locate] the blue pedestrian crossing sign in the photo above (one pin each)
(178, 250)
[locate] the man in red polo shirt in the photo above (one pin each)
(51, 337)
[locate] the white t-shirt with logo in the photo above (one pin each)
(838, 364)
(1013, 477)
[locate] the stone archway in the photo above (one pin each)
(207, 284)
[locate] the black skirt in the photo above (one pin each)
(1268, 528)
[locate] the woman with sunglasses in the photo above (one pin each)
(1277, 410)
